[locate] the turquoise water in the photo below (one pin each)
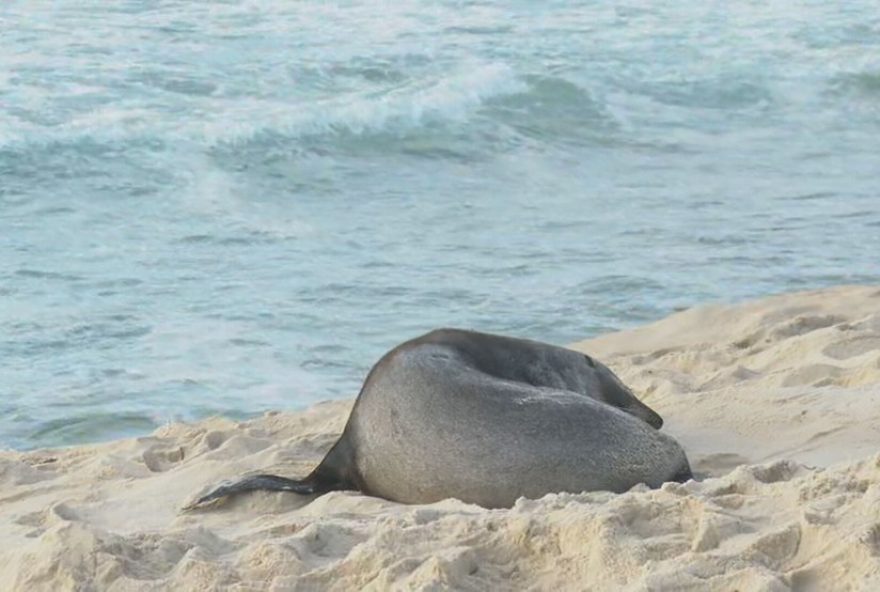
(232, 207)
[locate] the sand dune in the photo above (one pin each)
(777, 402)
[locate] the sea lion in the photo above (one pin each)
(487, 419)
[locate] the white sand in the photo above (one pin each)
(777, 402)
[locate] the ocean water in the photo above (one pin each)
(229, 207)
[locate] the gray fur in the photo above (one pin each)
(488, 419)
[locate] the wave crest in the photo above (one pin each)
(396, 111)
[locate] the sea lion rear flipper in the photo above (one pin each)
(312, 484)
(329, 475)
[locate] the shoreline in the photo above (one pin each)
(775, 400)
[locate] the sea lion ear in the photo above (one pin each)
(590, 361)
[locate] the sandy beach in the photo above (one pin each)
(776, 401)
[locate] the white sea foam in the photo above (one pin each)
(101, 125)
(450, 99)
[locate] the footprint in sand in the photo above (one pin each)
(814, 375)
(44, 518)
(716, 465)
(804, 325)
(215, 438)
(794, 328)
(851, 348)
(870, 538)
(160, 458)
